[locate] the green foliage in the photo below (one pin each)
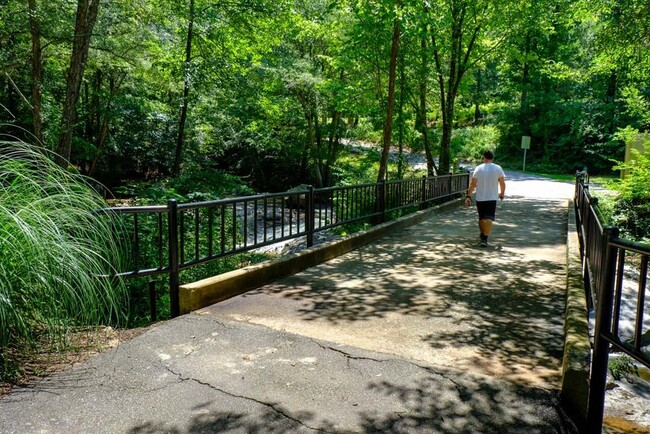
(53, 250)
(357, 166)
(208, 184)
(274, 85)
(622, 367)
(636, 183)
(193, 186)
(632, 216)
(469, 143)
(631, 211)
(365, 131)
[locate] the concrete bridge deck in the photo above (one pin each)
(420, 331)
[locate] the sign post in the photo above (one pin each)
(525, 145)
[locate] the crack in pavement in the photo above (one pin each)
(209, 317)
(348, 355)
(272, 406)
(459, 388)
(193, 317)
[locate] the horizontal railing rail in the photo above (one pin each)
(168, 239)
(608, 261)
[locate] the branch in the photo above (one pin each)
(470, 46)
(18, 90)
(441, 77)
(123, 56)
(487, 52)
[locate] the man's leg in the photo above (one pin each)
(486, 226)
(486, 212)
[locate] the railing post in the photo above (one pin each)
(423, 203)
(576, 197)
(580, 176)
(174, 269)
(310, 216)
(152, 300)
(598, 375)
(382, 201)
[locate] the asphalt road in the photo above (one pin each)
(421, 331)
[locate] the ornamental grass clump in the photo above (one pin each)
(55, 251)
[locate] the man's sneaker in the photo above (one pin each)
(484, 243)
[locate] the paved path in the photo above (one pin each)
(418, 332)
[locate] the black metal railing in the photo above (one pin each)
(607, 260)
(179, 236)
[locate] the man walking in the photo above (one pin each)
(488, 179)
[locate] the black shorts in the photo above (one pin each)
(486, 209)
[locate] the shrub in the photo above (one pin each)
(470, 143)
(632, 210)
(622, 367)
(365, 131)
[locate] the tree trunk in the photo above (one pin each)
(388, 126)
(400, 119)
(12, 102)
(478, 116)
(449, 85)
(93, 121)
(334, 146)
(88, 129)
(612, 87)
(525, 84)
(37, 74)
(445, 142)
(105, 124)
(86, 18)
(422, 112)
(304, 163)
(186, 93)
(318, 171)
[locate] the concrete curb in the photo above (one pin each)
(212, 290)
(577, 346)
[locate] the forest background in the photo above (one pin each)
(266, 90)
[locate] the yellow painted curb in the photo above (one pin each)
(577, 347)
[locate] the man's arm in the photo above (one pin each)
(470, 190)
(502, 185)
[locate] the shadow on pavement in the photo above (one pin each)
(506, 301)
(464, 406)
(418, 332)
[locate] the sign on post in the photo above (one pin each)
(525, 145)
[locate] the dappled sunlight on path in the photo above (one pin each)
(428, 293)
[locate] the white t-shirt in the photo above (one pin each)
(487, 176)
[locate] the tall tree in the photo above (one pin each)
(390, 104)
(456, 28)
(421, 107)
(187, 66)
(86, 18)
(37, 72)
